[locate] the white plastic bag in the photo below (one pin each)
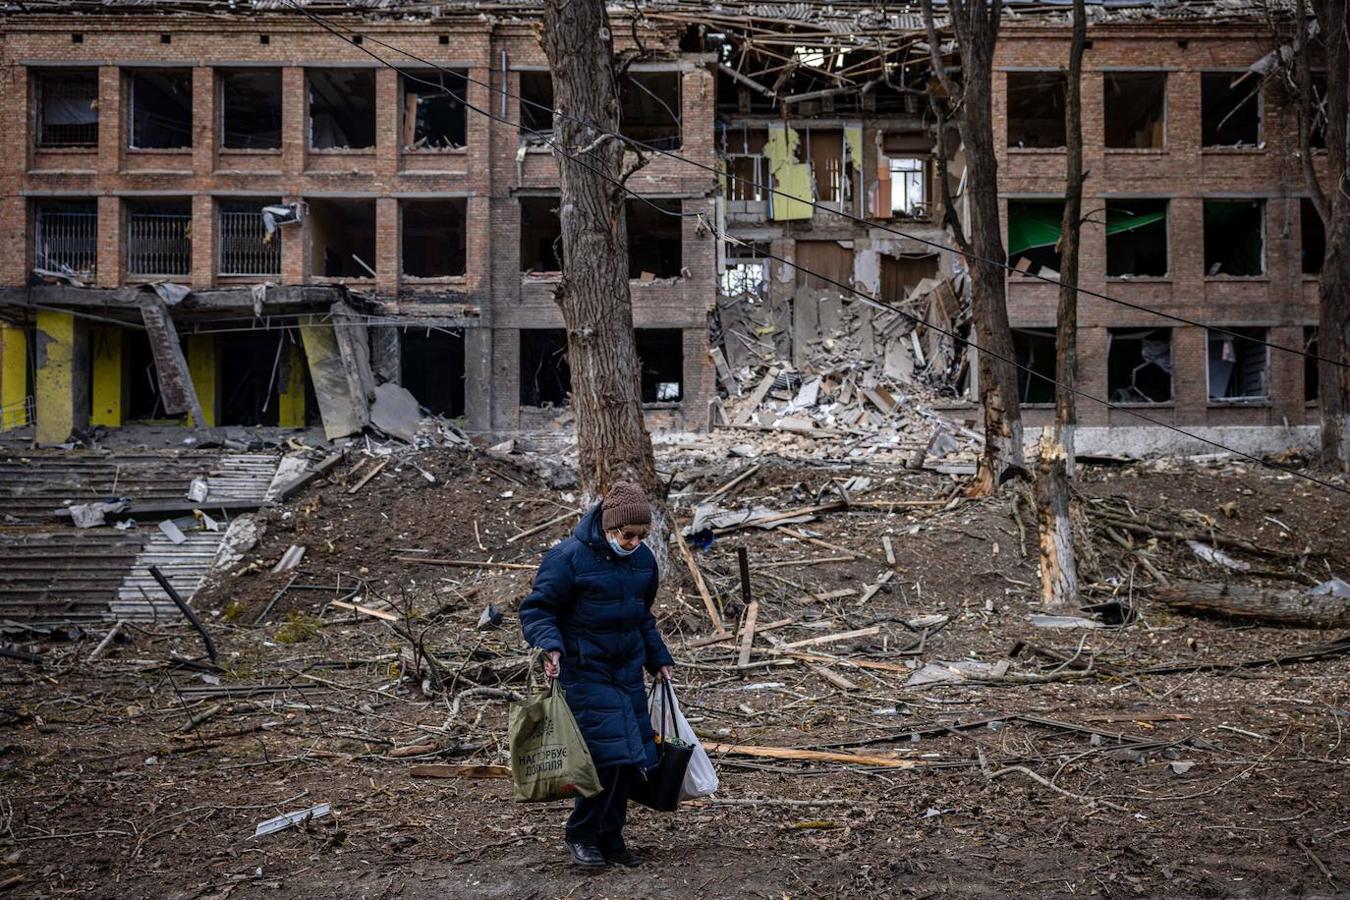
(700, 779)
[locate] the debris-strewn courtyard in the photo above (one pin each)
(902, 725)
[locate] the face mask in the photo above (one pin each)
(618, 548)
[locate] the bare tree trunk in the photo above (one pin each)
(597, 308)
(1059, 572)
(1333, 207)
(976, 27)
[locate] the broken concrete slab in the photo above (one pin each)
(395, 411)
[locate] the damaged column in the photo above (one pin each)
(62, 398)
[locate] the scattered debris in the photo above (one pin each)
(292, 819)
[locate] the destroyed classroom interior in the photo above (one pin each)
(286, 427)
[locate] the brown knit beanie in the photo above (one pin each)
(625, 504)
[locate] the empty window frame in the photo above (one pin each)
(909, 186)
(1139, 365)
(1136, 238)
(245, 246)
(341, 108)
(1034, 349)
(747, 182)
(1239, 365)
(825, 152)
(1314, 233)
(660, 354)
(1310, 373)
(1036, 109)
(159, 237)
(654, 241)
(434, 115)
(65, 236)
(650, 108)
(536, 106)
(67, 108)
(747, 271)
(1135, 109)
(1317, 130)
(432, 368)
(342, 237)
(540, 235)
(250, 109)
(1034, 228)
(545, 376)
(433, 237)
(1235, 233)
(161, 109)
(1230, 116)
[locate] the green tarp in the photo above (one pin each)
(1030, 226)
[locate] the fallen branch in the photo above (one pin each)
(1299, 609)
(854, 759)
(1039, 779)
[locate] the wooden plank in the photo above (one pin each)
(440, 770)
(366, 610)
(538, 528)
(756, 398)
(464, 563)
(748, 633)
(890, 550)
(698, 583)
(854, 759)
(833, 677)
(327, 463)
(369, 475)
(721, 491)
(724, 372)
(833, 638)
(870, 591)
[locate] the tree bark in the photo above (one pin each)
(1333, 207)
(976, 27)
(1298, 609)
(597, 308)
(1059, 567)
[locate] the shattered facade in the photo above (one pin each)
(246, 220)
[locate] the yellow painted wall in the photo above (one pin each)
(291, 403)
(201, 358)
(55, 387)
(790, 177)
(105, 351)
(13, 376)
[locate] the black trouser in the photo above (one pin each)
(599, 820)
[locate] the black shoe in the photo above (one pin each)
(623, 857)
(587, 855)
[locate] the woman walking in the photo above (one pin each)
(590, 612)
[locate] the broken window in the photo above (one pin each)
(1135, 109)
(1139, 365)
(250, 109)
(660, 354)
(545, 377)
(746, 272)
(909, 186)
(1239, 365)
(1314, 237)
(161, 109)
(1034, 349)
(1036, 109)
(1235, 237)
(65, 236)
(433, 237)
(433, 368)
(1230, 116)
(342, 238)
(67, 108)
(246, 247)
(434, 116)
(747, 182)
(536, 105)
(1136, 238)
(540, 235)
(341, 108)
(1034, 228)
(1317, 129)
(654, 228)
(902, 274)
(650, 108)
(1310, 386)
(159, 237)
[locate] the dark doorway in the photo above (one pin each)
(545, 376)
(249, 366)
(433, 369)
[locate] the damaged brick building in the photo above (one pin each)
(412, 239)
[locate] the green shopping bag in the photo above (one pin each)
(549, 757)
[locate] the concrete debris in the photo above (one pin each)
(240, 537)
(172, 531)
(1044, 621)
(198, 490)
(89, 515)
(290, 559)
(395, 411)
(958, 672)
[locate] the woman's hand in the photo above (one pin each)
(665, 673)
(552, 663)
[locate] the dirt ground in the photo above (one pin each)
(1074, 770)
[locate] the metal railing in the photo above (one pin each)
(66, 241)
(159, 243)
(244, 249)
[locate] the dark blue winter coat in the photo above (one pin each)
(596, 607)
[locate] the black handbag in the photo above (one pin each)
(659, 787)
